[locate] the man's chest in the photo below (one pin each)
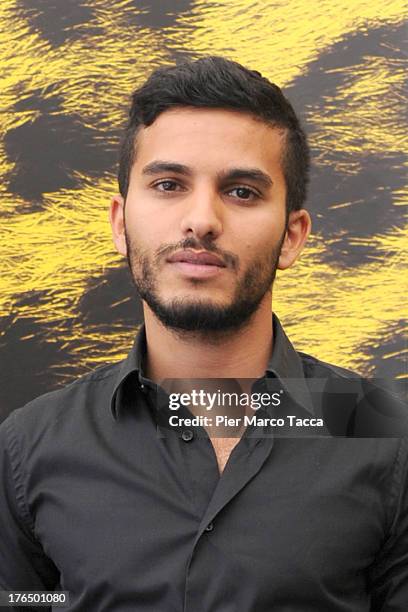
(223, 448)
(292, 518)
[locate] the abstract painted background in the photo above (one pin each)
(67, 69)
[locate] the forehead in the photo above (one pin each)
(208, 138)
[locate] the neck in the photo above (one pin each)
(242, 353)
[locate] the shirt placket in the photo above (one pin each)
(245, 461)
(210, 492)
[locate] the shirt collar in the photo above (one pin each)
(284, 363)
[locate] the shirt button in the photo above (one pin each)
(210, 526)
(187, 435)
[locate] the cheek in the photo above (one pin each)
(150, 226)
(259, 243)
(139, 229)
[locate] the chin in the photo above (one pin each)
(188, 303)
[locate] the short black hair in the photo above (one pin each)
(216, 82)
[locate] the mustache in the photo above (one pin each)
(230, 260)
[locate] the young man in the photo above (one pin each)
(99, 502)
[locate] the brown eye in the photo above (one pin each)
(244, 193)
(166, 186)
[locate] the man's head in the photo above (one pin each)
(213, 170)
(215, 82)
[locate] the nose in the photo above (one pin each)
(203, 214)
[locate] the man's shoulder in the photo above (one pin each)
(316, 368)
(85, 393)
(354, 405)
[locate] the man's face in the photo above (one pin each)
(205, 217)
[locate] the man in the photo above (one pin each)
(104, 498)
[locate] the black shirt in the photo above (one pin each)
(97, 502)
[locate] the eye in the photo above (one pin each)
(166, 185)
(244, 193)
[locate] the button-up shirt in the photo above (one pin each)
(95, 502)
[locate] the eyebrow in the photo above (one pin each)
(254, 174)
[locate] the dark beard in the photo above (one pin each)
(200, 316)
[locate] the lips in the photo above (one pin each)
(202, 258)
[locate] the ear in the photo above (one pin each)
(298, 230)
(117, 221)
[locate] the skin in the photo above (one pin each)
(243, 219)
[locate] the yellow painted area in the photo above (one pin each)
(281, 38)
(58, 249)
(344, 309)
(331, 312)
(364, 117)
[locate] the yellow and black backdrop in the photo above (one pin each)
(67, 69)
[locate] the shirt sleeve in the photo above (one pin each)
(390, 574)
(23, 563)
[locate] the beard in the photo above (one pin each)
(201, 316)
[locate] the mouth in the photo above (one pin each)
(200, 264)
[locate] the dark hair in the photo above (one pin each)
(215, 82)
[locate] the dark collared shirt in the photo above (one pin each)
(96, 503)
